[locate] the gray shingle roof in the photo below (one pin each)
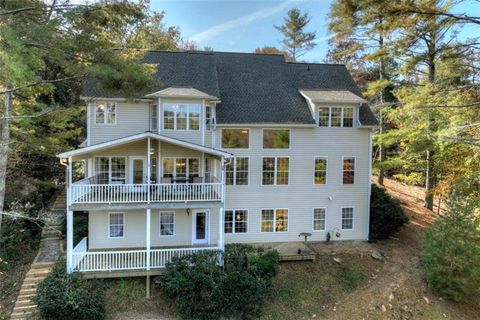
(252, 88)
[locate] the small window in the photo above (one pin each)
(319, 219)
(274, 220)
(276, 138)
(348, 117)
(167, 223)
(153, 117)
(347, 218)
(209, 120)
(235, 138)
(194, 117)
(116, 224)
(236, 221)
(324, 116)
(336, 117)
(320, 171)
(106, 112)
(237, 171)
(349, 170)
(168, 117)
(181, 118)
(275, 171)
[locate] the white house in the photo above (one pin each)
(230, 147)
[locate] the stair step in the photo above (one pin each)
(23, 315)
(25, 296)
(39, 271)
(28, 291)
(41, 265)
(24, 308)
(28, 286)
(33, 281)
(24, 303)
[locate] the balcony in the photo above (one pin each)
(87, 192)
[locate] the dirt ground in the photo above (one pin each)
(391, 288)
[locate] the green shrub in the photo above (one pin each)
(412, 178)
(69, 296)
(351, 278)
(451, 255)
(204, 290)
(386, 214)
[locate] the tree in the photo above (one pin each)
(296, 40)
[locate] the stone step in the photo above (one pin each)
(26, 296)
(21, 315)
(34, 281)
(28, 291)
(29, 286)
(24, 303)
(42, 265)
(24, 308)
(39, 271)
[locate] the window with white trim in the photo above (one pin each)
(319, 219)
(181, 116)
(336, 117)
(276, 138)
(209, 118)
(274, 220)
(110, 170)
(320, 170)
(236, 221)
(167, 223)
(347, 218)
(116, 224)
(275, 170)
(237, 171)
(235, 138)
(348, 170)
(153, 117)
(105, 112)
(181, 167)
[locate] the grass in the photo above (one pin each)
(351, 277)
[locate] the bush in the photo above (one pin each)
(204, 290)
(386, 214)
(69, 296)
(451, 255)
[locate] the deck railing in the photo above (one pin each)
(91, 261)
(134, 193)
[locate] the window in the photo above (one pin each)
(181, 167)
(348, 170)
(153, 169)
(276, 138)
(209, 119)
(320, 171)
(274, 220)
(236, 221)
(275, 171)
(335, 117)
(181, 117)
(319, 219)
(106, 112)
(110, 170)
(235, 138)
(116, 224)
(324, 117)
(153, 117)
(237, 171)
(167, 223)
(348, 117)
(347, 218)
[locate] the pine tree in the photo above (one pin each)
(296, 40)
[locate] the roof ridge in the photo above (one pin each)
(318, 63)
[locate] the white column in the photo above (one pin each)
(148, 237)
(148, 169)
(69, 219)
(202, 121)
(221, 229)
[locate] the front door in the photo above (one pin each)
(200, 226)
(138, 172)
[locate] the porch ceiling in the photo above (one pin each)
(139, 137)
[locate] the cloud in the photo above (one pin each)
(239, 22)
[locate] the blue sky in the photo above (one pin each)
(242, 26)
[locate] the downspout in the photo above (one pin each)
(369, 181)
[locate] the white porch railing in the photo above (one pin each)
(132, 193)
(79, 252)
(91, 261)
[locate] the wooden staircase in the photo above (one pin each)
(25, 307)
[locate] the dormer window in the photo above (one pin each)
(105, 112)
(181, 116)
(335, 117)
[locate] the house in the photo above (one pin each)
(230, 147)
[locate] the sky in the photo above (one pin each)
(242, 26)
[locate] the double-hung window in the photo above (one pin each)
(236, 221)
(167, 223)
(116, 225)
(347, 218)
(320, 170)
(336, 117)
(275, 170)
(153, 117)
(237, 171)
(110, 170)
(274, 220)
(105, 112)
(319, 219)
(209, 118)
(181, 116)
(348, 170)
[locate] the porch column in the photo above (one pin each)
(148, 238)
(221, 229)
(148, 169)
(69, 218)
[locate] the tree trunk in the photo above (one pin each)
(430, 179)
(381, 173)
(4, 145)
